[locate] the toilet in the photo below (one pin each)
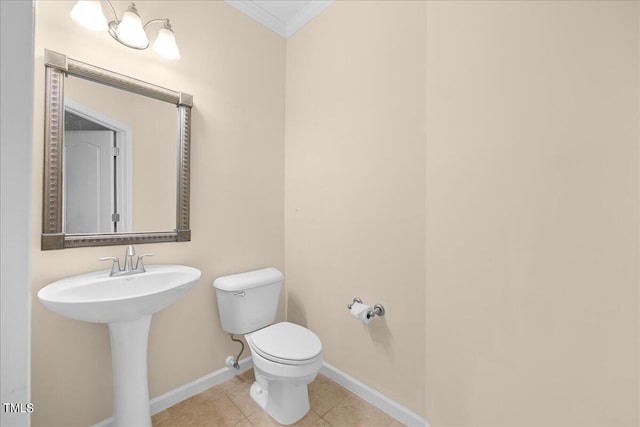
(286, 357)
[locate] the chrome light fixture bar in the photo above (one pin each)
(129, 30)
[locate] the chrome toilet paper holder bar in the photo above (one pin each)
(378, 309)
(355, 300)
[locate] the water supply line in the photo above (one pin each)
(235, 363)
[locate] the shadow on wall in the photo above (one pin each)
(295, 311)
(381, 335)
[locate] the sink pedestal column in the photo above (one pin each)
(129, 358)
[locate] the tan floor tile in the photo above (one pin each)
(181, 421)
(219, 412)
(397, 423)
(212, 393)
(244, 423)
(184, 418)
(160, 417)
(249, 375)
(196, 411)
(262, 419)
(244, 379)
(308, 420)
(166, 423)
(324, 395)
(355, 412)
(322, 423)
(185, 406)
(242, 399)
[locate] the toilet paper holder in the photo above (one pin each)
(378, 309)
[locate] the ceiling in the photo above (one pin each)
(285, 17)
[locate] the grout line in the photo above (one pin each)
(238, 408)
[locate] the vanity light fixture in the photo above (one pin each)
(129, 30)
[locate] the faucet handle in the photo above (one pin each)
(115, 267)
(140, 263)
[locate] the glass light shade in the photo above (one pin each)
(165, 44)
(88, 13)
(131, 32)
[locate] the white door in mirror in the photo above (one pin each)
(89, 192)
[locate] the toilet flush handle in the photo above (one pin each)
(239, 293)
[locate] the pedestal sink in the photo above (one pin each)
(126, 303)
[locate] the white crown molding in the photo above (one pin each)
(254, 10)
(310, 11)
(260, 12)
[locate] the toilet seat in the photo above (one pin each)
(286, 343)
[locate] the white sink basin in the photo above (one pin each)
(96, 297)
(126, 303)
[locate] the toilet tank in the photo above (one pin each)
(248, 301)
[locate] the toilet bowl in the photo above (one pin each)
(286, 357)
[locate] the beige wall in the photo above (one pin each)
(355, 189)
(235, 70)
(532, 214)
(519, 225)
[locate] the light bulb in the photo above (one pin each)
(88, 13)
(130, 30)
(165, 44)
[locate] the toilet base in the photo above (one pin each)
(285, 401)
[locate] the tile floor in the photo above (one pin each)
(229, 404)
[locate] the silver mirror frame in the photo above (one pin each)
(57, 66)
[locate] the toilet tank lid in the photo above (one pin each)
(248, 280)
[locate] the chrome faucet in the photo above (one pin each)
(128, 263)
(128, 260)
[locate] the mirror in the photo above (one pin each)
(111, 158)
(119, 169)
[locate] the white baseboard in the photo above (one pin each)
(377, 399)
(170, 398)
(358, 388)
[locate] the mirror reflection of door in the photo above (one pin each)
(97, 185)
(90, 191)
